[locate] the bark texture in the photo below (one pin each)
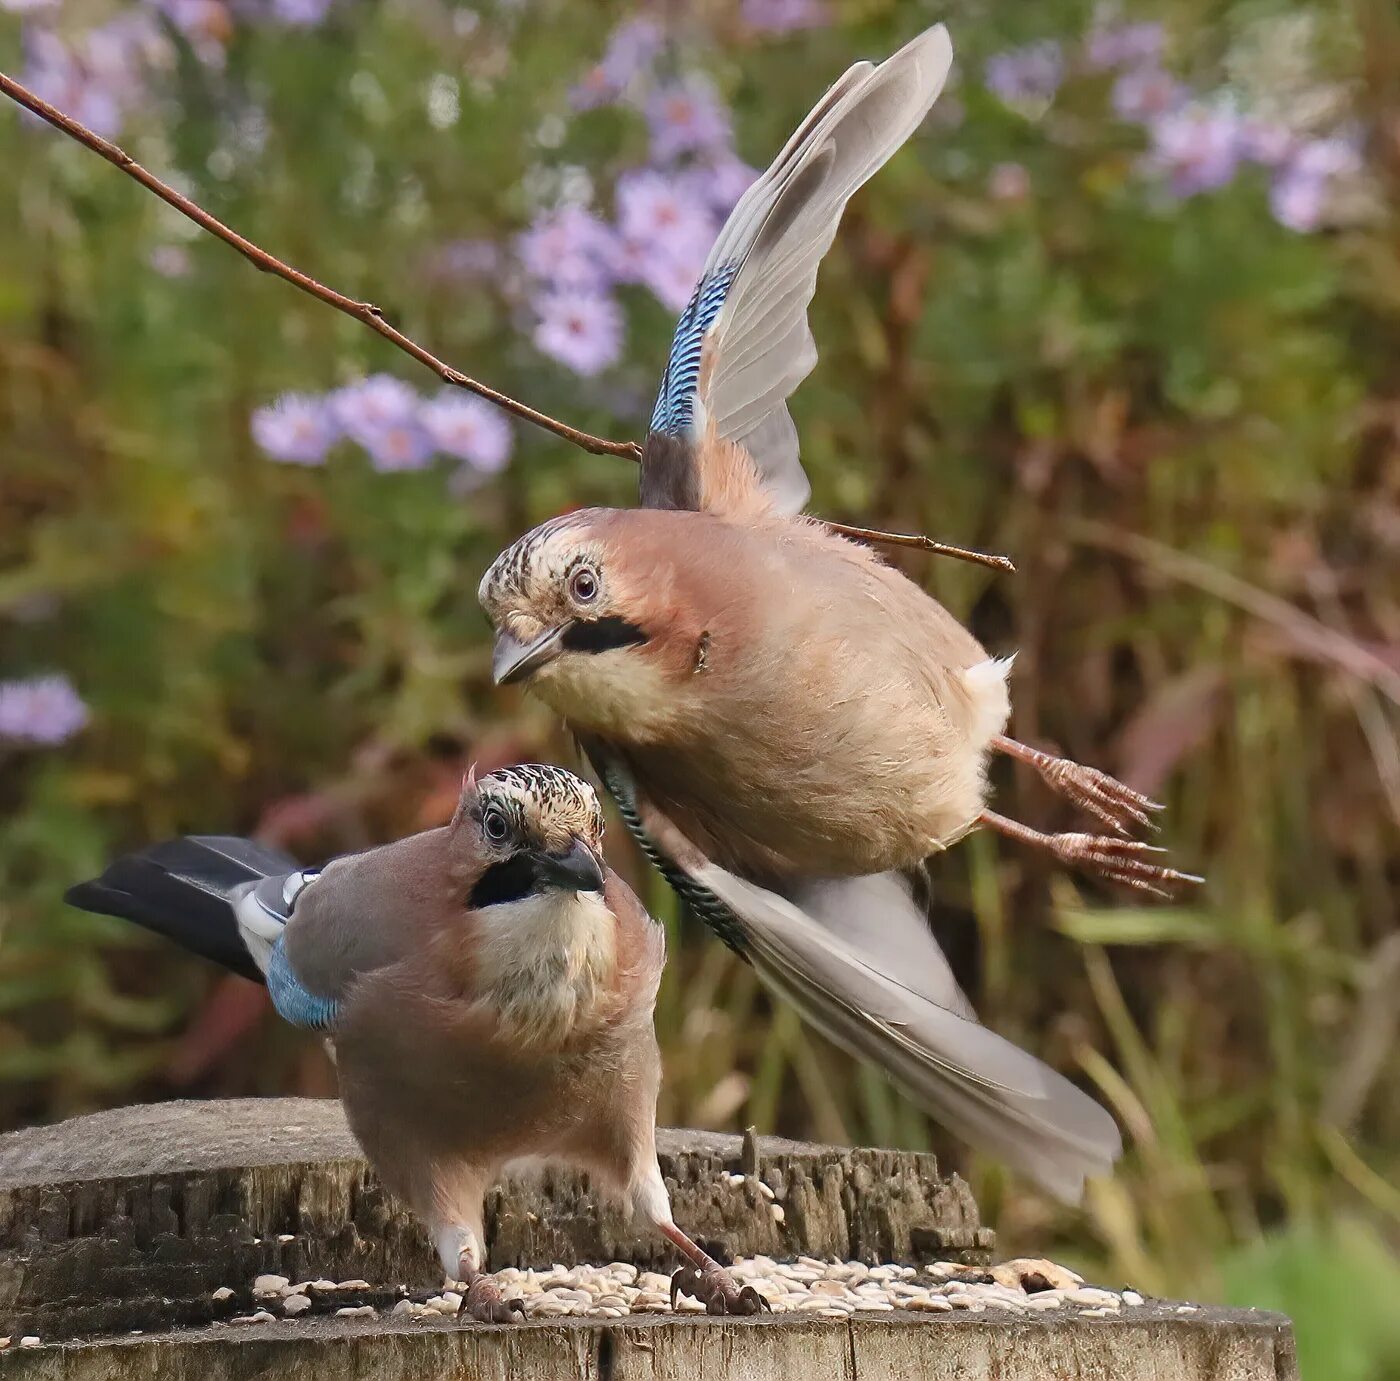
(132, 1218)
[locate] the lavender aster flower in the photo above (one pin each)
(686, 116)
(1197, 149)
(1302, 191)
(206, 26)
(719, 183)
(1028, 76)
(1146, 93)
(783, 16)
(568, 247)
(41, 710)
(652, 208)
(1266, 143)
(365, 409)
(1130, 46)
(632, 49)
(468, 428)
(170, 261)
(398, 445)
(297, 429)
(580, 329)
(301, 14)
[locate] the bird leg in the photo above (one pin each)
(1118, 860)
(706, 1280)
(1104, 797)
(482, 1298)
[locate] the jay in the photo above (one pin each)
(487, 990)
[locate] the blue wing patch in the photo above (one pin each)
(295, 1003)
(675, 403)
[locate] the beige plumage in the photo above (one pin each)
(792, 726)
(487, 988)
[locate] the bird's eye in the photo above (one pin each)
(494, 826)
(583, 586)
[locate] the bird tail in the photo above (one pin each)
(188, 890)
(856, 958)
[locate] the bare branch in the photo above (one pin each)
(371, 316)
(365, 312)
(912, 539)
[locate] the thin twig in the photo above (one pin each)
(365, 312)
(913, 539)
(371, 316)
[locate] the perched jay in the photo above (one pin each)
(487, 988)
(791, 726)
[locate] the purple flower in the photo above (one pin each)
(568, 247)
(671, 278)
(580, 329)
(1028, 76)
(206, 26)
(1196, 148)
(632, 48)
(1145, 94)
(1009, 182)
(381, 413)
(783, 16)
(55, 74)
(1302, 191)
(652, 207)
(718, 183)
(297, 429)
(468, 428)
(364, 409)
(1266, 143)
(686, 116)
(41, 710)
(170, 261)
(398, 446)
(301, 14)
(1128, 46)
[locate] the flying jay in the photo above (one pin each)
(791, 726)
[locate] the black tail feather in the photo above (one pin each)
(182, 888)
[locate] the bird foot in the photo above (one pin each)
(1107, 799)
(715, 1288)
(483, 1302)
(1120, 860)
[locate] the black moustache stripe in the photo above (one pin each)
(509, 880)
(601, 635)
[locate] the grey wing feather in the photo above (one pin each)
(760, 344)
(975, 1082)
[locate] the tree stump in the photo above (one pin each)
(130, 1221)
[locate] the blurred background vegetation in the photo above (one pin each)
(1127, 308)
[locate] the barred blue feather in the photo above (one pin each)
(675, 402)
(293, 1001)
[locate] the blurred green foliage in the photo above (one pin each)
(1181, 418)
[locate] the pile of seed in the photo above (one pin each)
(828, 1289)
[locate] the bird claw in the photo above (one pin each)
(484, 1303)
(1107, 799)
(713, 1286)
(1122, 861)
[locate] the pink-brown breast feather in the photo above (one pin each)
(827, 723)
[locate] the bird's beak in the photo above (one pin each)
(577, 869)
(514, 661)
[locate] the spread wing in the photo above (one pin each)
(856, 958)
(743, 344)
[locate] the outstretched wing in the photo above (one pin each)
(856, 959)
(743, 343)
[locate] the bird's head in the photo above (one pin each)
(579, 616)
(537, 829)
